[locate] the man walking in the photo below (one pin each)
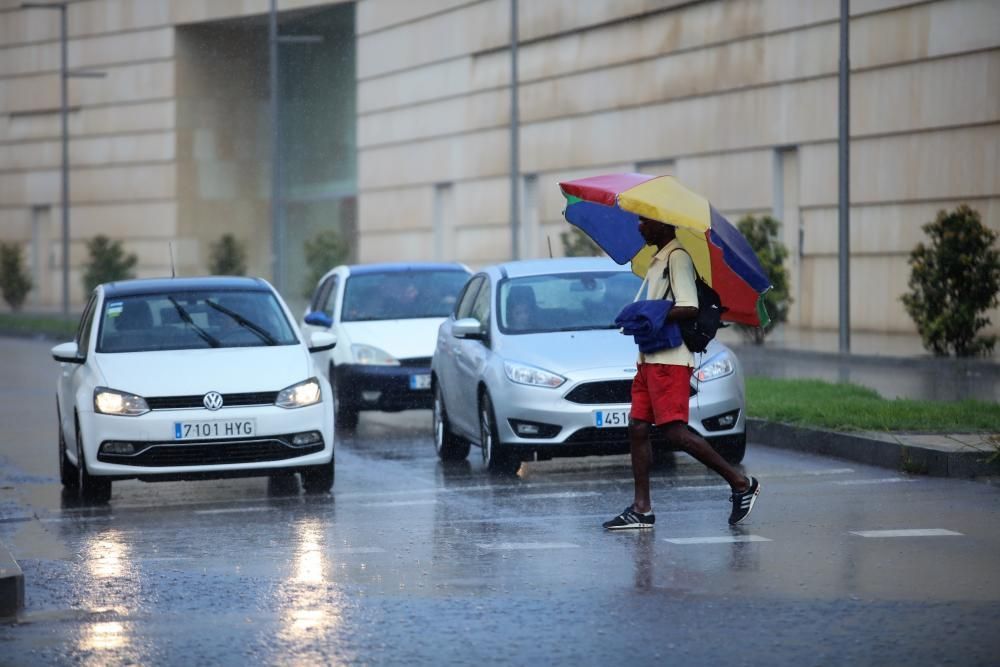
(660, 390)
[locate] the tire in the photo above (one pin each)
(448, 445)
(496, 460)
(68, 474)
(94, 489)
(346, 415)
(319, 479)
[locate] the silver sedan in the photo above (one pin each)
(530, 366)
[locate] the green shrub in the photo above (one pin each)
(108, 262)
(578, 244)
(323, 252)
(953, 281)
(15, 283)
(228, 257)
(762, 235)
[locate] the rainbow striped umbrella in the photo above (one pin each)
(607, 209)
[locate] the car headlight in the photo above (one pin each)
(718, 366)
(530, 375)
(299, 395)
(373, 356)
(113, 402)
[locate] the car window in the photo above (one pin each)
(330, 298)
(83, 331)
(396, 295)
(469, 297)
(564, 302)
(481, 306)
(322, 296)
(193, 320)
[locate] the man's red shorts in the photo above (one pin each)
(660, 393)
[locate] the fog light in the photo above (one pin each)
(721, 422)
(307, 438)
(526, 429)
(371, 396)
(120, 448)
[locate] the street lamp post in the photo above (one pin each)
(64, 74)
(515, 142)
(844, 169)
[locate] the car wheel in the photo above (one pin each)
(96, 489)
(346, 414)
(495, 458)
(449, 446)
(67, 471)
(319, 479)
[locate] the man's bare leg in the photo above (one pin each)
(682, 437)
(642, 461)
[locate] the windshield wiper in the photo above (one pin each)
(186, 316)
(245, 323)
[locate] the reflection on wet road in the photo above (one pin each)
(410, 561)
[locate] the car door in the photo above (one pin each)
(470, 360)
(71, 375)
(447, 352)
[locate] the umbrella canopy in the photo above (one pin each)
(607, 208)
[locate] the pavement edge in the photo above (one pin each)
(875, 452)
(11, 584)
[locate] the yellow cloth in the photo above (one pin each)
(684, 293)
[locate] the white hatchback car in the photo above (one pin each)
(386, 319)
(191, 378)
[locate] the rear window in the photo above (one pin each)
(193, 320)
(400, 295)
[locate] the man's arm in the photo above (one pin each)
(682, 285)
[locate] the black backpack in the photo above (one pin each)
(698, 331)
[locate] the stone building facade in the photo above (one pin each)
(737, 98)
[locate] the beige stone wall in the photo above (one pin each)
(738, 99)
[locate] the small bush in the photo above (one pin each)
(577, 244)
(762, 235)
(15, 283)
(228, 257)
(953, 281)
(108, 262)
(323, 252)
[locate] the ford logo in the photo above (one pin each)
(212, 400)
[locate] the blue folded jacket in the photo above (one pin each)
(646, 322)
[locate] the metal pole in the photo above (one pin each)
(277, 208)
(844, 201)
(64, 119)
(515, 143)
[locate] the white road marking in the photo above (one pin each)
(527, 546)
(402, 503)
(357, 550)
(906, 532)
(567, 494)
(724, 539)
(883, 480)
(236, 510)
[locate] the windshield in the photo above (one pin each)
(193, 320)
(400, 295)
(564, 302)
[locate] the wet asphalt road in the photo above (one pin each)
(409, 561)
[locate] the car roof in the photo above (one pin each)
(538, 267)
(398, 267)
(159, 285)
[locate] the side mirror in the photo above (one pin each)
(321, 341)
(67, 353)
(318, 318)
(468, 327)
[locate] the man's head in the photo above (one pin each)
(655, 232)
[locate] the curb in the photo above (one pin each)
(11, 584)
(885, 453)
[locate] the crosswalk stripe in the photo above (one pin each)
(718, 539)
(402, 503)
(883, 480)
(527, 546)
(906, 532)
(235, 510)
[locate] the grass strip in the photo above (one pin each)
(50, 326)
(849, 407)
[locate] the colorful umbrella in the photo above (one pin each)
(607, 209)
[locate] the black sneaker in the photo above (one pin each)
(743, 502)
(631, 519)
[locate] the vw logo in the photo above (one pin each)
(212, 400)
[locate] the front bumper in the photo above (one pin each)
(387, 388)
(158, 454)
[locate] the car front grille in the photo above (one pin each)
(606, 392)
(416, 362)
(195, 401)
(159, 455)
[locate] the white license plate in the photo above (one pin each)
(611, 418)
(421, 381)
(222, 428)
